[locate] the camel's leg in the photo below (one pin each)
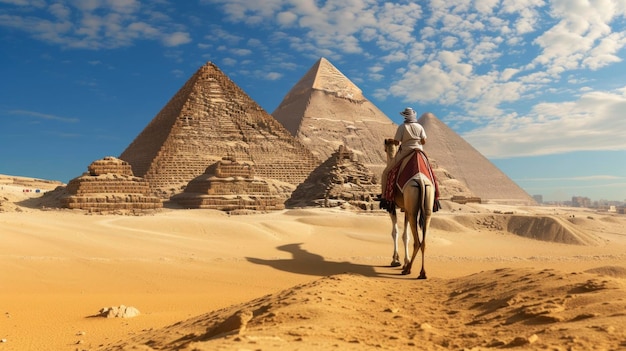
(417, 243)
(429, 202)
(395, 261)
(406, 240)
(411, 211)
(423, 271)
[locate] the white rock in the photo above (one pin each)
(119, 312)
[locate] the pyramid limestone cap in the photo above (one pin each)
(325, 110)
(326, 77)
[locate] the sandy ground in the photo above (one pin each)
(309, 279)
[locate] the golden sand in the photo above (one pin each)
(310, 279)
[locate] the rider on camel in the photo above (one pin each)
(411, 136)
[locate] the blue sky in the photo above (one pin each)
(537, 86)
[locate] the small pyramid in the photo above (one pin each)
(340, 180)
(209, 117)
(109, 185)
(229, 185)
(451, 152)
(325, 110)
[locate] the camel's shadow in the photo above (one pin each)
(305, 262)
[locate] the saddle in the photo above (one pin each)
(414, 163)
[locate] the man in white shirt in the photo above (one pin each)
(411, 136)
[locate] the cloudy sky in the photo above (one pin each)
(537, 86)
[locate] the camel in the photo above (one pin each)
(416, 199)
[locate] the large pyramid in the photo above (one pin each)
(325, 110)
(447, 149)
(209, 118)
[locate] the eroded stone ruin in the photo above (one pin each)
(342, 179)
(109, 184)
(230, 185)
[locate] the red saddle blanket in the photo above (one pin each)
(416, 162)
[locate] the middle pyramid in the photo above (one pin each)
(325, 110)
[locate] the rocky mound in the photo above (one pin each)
(341, 180)
(539, 227)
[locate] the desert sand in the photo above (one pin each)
(499, 277)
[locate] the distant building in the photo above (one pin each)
(538, 198)
(580, 201)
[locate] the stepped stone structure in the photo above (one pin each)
(339, 180)
(108, 185)
(230, 185)
(209, 117)
(325, 110)
(468, 166)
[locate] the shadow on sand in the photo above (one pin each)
(305, 262)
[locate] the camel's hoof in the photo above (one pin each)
(422, 276)
(396, 264)
(406, 272)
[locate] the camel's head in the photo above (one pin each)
(391, 147)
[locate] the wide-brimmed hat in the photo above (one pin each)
(409, 113)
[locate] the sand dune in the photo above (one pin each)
(310, 279)
(504, 308)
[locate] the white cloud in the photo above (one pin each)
(229, 61)
(332, 25)
(508, 73)
(176, 39)
(124, 6)
(273, 75)
(583, 37)
(178, 73)
(95, 24)
(217, 33)
(241, 52)
(481, 58)
(143, 29)
(43, 116)
(592, 122)
(33, 3)
(497, 63)
(449, 42)
(427, 83)
(485, 6)
(286, 18)
(605, 52)
(60, 11)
